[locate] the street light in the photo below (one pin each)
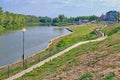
(23, 56)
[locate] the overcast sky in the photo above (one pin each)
(54, 7)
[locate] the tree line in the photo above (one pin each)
(61, 20)
(12, 20)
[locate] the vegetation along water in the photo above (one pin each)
(95, 60)
(10, 20)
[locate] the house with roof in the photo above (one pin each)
(111, 16)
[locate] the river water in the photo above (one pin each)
(36, 39)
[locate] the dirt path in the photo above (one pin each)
(102, 37)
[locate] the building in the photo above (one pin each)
(111, 16)
(102, 18)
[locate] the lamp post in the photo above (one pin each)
(23, 56)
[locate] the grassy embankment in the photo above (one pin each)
(96, 60)
(79, 34)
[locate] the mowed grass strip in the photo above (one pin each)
(49, 68)
(73, 56)
(80, 33)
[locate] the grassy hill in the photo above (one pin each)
(95, 60)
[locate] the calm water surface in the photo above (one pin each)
(36, 39)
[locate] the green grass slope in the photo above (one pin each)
(96, 60)
(80, 33)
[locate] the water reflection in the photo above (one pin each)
(36, 39)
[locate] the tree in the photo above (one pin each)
(62, 18)
(11, 20)
(1, 12)
(92, 18)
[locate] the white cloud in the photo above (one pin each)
(34, 1)
(53, 7)
(77, 3)
(112, 3)
(107, 3)
(7, 1)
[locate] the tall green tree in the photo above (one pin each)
(62, 18)
(11, 20)
(1, 14)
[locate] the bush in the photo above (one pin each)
(86, 76)
(109, 77)
(1, 27)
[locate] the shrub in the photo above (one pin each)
(86, 76)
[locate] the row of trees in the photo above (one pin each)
(11, 20)
(62, 20)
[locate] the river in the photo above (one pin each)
(36, 39)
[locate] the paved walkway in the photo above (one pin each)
(55, 56)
